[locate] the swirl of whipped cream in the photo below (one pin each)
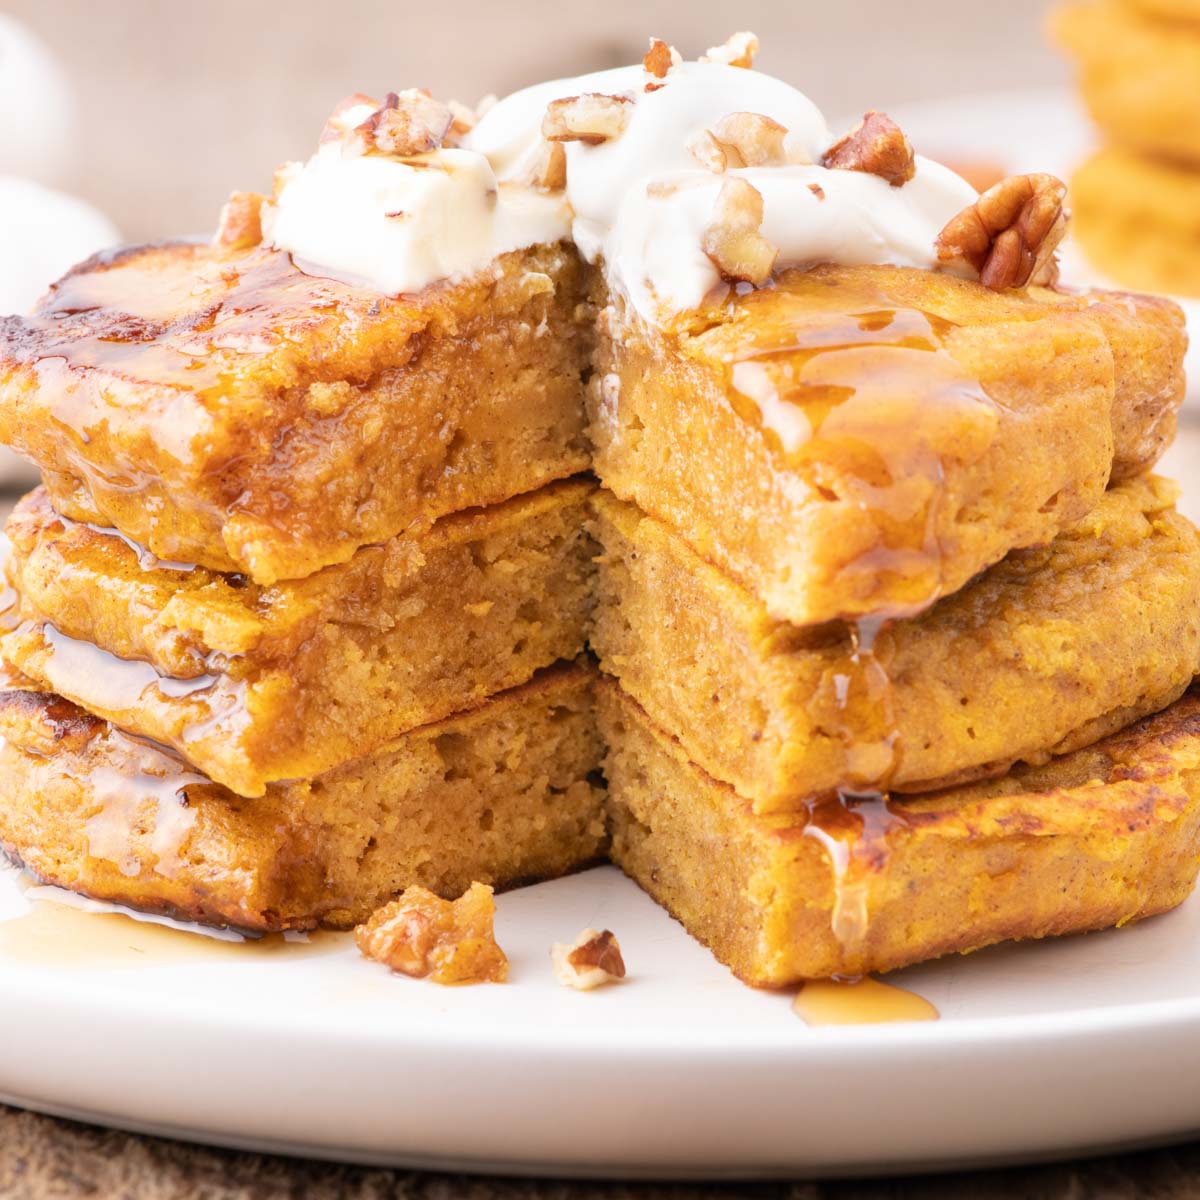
(639, 202)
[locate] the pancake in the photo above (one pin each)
(221, 407)
(1138, 74)
(499, 795)
(858, 441)
(1138, 220)
(257, 684)
(1048, 650)
(1094, 839)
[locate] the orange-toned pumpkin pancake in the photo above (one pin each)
(854, 441)
(221, 407)
(500, 795)
(1096, 838)
(257, 684)
(1050, 649)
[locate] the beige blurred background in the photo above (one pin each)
(181, 103)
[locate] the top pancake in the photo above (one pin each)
(223, 408)
(860, 441)
(226, 409)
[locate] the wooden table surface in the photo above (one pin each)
(46, 1157)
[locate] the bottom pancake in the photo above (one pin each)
(1093, 839)
(501, 794)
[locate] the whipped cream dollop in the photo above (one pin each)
(397, 226)
(641, 201)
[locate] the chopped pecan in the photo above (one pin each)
(549, 170)
(660, 58)
(463, 120)
(447, 941)
(751, 140)
(732, 239)
(1009, 235)
(708, 152)
(877, 146)
(338, 125)
(591, 960)
(240, 226)
(592, 118)
(738, 50)
(409, 122)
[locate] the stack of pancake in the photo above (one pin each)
(270, 707)
(793, 480)
(1137, 200)
(893, 626)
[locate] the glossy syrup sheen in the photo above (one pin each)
(858, 391)
(53, 934)
(178, 315)
(102, 682)
(863, 1001)
(187, 327)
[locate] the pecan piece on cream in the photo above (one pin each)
(751, 140)
(338, 126)
(240, 226)
(590, 961)
(548, 173)
(1009, 236)
(408, 122)
(733, 240)
(592, 118)
(877, 146)
(659, 60)
(708, 152)
(738, 50)
(463, 120)
(447, 941)
(284, 174)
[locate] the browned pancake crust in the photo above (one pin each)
(226, 409)
(1094, 839)
(862, 440)
(257, 684)
(502, 794)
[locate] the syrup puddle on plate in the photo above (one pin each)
(863, 1001)
(55, 933)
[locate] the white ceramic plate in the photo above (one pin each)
(1043, 129)
(1042, 1050)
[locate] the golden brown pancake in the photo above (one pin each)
(257, 684)
(863, 440)
(1138, 74)
(1138, 220)
(1093, 839)
(223, 408)
(499, 795)
(1050, 649)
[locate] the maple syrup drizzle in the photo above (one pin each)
(145, 559)
(101, 681)
(52, 934)
(186, 332)
(853, 828)
(856, 390)
(863, 1001)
